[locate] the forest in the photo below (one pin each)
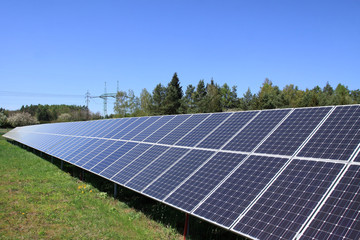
(211, 97)
(202, 98)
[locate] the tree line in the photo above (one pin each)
(211, 97)
(33, 114)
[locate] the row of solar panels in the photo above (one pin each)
(263, 174)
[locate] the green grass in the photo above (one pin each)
(39, 201)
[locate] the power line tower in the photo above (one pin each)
(103, 96)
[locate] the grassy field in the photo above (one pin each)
(39, 201)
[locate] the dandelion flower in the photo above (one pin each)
(82, 192)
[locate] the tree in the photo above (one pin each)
(121, 104)
(146, 102)
(43, 114)
(213, 98)
(247, 101)
(200, 97)
(126, 104)
(159, 94)
(311, 97)
(328, 95)
(355, 95)
(342, 95)
(229, 98)
(291, 96)
(189, 99)
(269, 96)
(173, 96)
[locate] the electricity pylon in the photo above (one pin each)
(103, 96)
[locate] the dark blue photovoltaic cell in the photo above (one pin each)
(36, 139)
(203, 181)
(255, 132)
(230, 127)
(117, 126)
(156, 168)
(165, 129)
(203, 129)
(51, 141)
(288, 137)
(151, 129)
(141, 127)
(110, 147)
(240, 189)
(120, 126)
(138, 164)
(174, 176)
(92, 128)
(110, 124)
(74, 128)
(288, 202)
(357, 158)
(338, 137)
(66, 143)
(107, 159)
(339, 217)
(90, 152)
(183, 129)
(132, 126)
(71, 155)
(102, 126)
(119, 159)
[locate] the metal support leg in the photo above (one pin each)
(186, 227)
(115, 190)
(52, 159)
(62, 164)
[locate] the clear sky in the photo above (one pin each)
(52, 52)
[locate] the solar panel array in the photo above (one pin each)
(271, 174)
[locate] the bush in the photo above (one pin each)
(22, 119)
(64, 117)
(3, 119)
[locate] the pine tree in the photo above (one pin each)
(173, 97)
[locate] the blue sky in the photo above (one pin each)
(52, 52)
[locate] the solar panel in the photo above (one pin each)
(338, 137)
(357, 158)
(96, 147)
(225, 204)
(130, 127)
(285, 206)
(222, 134)
(140, 128)
(138, 163)
(339, 217)
(183, 129)
(152, 128)
(177, 173)
(110, 146)
(154, 169)
(166, 128)
(76, 152)
(288, 137)
(253, 133)
(120, 159)
(199, 185)
(271, 174)
(203, 129)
